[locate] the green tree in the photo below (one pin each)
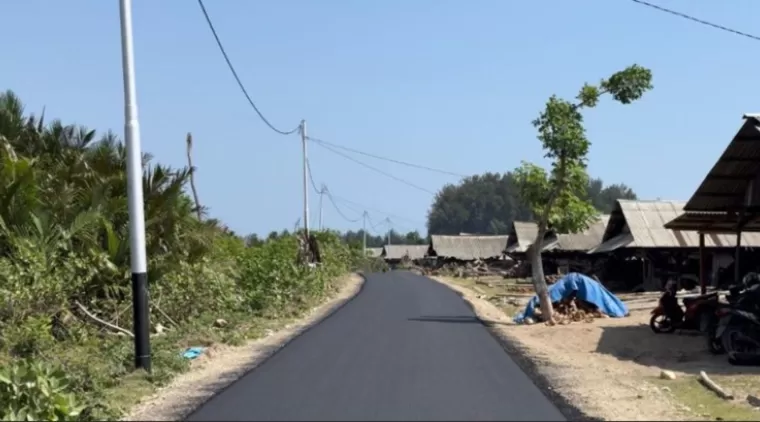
(376, 241)
(489, 203)
(559, 197)
(485, 203)
(603, 197)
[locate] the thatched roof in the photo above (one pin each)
(641, 224)
(521, 236)
(374, 252)
(582, 241)
(398, 251)
(468, 247)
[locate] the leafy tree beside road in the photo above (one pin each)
(559, 197)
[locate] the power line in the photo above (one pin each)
(237, 78)
(337, 208)
(311, 178)
(384, 173)
(348, 202)
(329, 195)
(700, 21)
(379, 157)
(375, 210)
(333, 200)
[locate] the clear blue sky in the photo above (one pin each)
(450, 84)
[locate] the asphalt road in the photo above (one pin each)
(406, 348)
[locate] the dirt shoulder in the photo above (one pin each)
(608, 369)
(222, 365)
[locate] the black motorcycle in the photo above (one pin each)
(711, 319)
(739, 326)
(739, 332)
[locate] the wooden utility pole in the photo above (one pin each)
(305, 179)
(198, 209)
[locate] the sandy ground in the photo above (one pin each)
(606, 369)
(218, 368)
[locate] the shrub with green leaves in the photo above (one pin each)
(33, 391)
(64, 270)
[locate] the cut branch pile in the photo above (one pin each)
(571, 310)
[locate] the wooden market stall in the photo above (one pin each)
(728, 200)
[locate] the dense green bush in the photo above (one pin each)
(64, 272)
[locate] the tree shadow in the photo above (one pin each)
(463, 319)
(683, 351)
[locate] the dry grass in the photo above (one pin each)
(706, 405)
(609, 367)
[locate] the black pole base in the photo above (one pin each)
(141, 318)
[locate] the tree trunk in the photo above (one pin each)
(539, 281)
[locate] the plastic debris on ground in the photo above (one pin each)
(192, 352)
(574, 291)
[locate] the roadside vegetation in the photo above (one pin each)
(66, 351)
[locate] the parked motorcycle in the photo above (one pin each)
(739, 332)
(669, 316)
(712, 319)
(739, 326)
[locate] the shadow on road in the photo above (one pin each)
(455, 319)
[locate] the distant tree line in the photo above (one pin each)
(481, 204)
(488, 204)
(354, 238)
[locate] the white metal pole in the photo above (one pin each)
(141, 313)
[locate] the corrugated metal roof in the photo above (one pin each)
(724, 187)
(641, 224)
(714, 222)
(582, 241)
(522, 235)
(469, 247)
(399, 251)
(374, 252)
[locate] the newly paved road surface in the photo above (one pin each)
(406, 348)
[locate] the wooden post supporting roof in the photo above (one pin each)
(702, 264)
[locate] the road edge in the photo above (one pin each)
(170, 404)
(528, 363)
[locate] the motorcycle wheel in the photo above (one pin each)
(732, 345)
(661, 324)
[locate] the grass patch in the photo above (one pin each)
(706, 405)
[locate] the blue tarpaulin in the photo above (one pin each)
(587, 289)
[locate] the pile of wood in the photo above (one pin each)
(470, 269)
(575, 310)
(571, 310)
